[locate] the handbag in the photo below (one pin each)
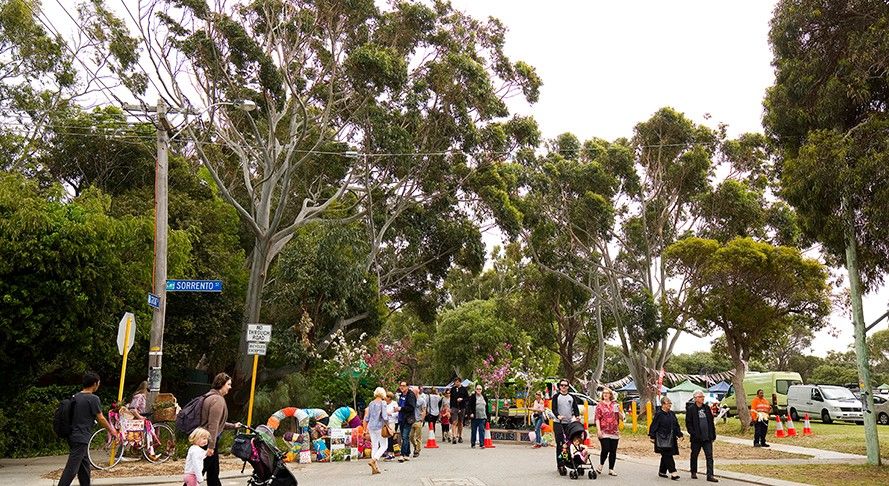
(386, 432)
(663, 441)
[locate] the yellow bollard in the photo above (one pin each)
(252, 390)
(635, 416)
(648, 415)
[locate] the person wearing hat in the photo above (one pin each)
(459, 397)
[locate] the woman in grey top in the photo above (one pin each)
(478, 409)
(374, 419)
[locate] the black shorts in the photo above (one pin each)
(432, 419)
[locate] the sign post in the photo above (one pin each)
(126, 334)
(258, 336)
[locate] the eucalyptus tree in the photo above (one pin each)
(417, 91)
(44, 72)
(827, 115)
(751, 291)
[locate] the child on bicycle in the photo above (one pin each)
(194, 462)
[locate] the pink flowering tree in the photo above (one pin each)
(496, 369)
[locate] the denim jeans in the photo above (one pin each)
(478, 427)
(538, 424)
(405, 440)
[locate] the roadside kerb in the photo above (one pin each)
(736, 476)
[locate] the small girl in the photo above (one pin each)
(194, 462)
(445, 419)
(580, 451)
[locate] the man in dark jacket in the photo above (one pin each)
(702, 431)
(565, 409)
(459, 397)
(407, 402)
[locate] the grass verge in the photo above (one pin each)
(840, 437)
(818, 474)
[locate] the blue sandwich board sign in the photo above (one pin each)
(194, 285)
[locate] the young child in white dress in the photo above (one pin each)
(194, 462)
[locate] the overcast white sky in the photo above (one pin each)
(609, 65)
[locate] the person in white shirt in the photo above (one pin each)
(392, 416)
(194, 461)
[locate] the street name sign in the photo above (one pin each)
(194, 285)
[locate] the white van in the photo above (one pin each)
(827, 402)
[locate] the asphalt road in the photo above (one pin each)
(458, 465)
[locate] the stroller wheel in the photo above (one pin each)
(572, 475)
(562, 471)
(591, 474)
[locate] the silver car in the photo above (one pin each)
(881, 408)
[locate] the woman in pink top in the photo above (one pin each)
(537, 409)
(608, 415)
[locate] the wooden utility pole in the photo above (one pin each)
(156, 337)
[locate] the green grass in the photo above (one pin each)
(818, 474)
(840, 437)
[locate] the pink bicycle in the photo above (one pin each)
(156, 442)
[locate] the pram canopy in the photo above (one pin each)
(572, 429)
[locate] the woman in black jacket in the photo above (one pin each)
(664, 433)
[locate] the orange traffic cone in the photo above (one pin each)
(791, 430)
(489, 444)
(779, 432)
(586, 431)
(430, 442)
(807, 427)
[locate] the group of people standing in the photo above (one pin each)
(390, 420)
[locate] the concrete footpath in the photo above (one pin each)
(819, 456)
(452, 465)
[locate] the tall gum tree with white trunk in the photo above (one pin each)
(828, 116)
(417, 91)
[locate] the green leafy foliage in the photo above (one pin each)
(827, 116)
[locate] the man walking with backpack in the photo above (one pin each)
(85, 408)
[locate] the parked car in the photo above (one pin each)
(827, 402)
(881, 408)
(774, 385)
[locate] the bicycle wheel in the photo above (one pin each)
(104, 451)
(160, 445)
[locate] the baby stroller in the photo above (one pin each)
(257, 446)
(571, 460)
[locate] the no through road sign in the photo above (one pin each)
(259, 333)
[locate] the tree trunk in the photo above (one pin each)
(736, 351)
(861, 350)
(259, 264)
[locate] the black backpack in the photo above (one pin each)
(189, 418)
(63, 418)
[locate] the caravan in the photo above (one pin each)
(774, 384)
